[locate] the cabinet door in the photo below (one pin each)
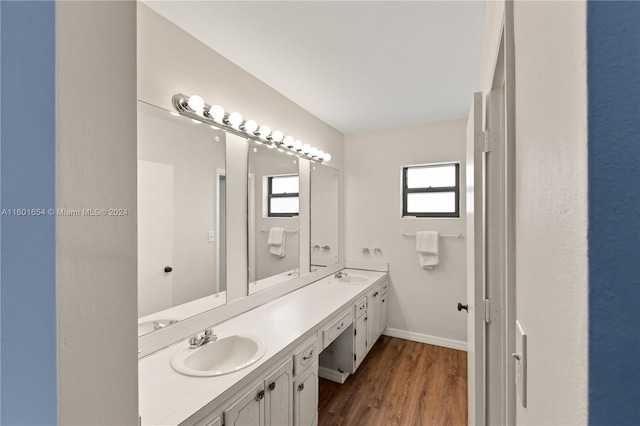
(360, 343)
(373, 317)
(278, 399)
(383, 312)
(305, 398)
(248, 410)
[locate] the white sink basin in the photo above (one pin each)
(219, 357)
(351, 279)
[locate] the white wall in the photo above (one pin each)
(551, 202)
(171, 61)
(551, 210)
(421, 303)
(96, 256)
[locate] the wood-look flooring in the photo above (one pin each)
(400, 382)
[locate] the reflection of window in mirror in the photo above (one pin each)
(283, 196)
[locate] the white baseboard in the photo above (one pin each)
(333, 375)
(425, 338)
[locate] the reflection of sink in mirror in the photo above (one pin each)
(145, 327)
(219, 357)
(351, 279)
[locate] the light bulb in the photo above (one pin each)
(297, 145)
(196, 103)
(264, 131)
(250, 126)
(235, 119)
(320, 155)
(277, 136)
(288, 141)
(326, 157)
(217, 113)
(313, 151)
(306, 148)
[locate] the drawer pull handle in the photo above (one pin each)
(309, 356)
(301, 387)
(272, 386)
(260, 395)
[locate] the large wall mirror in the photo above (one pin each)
(181, 218)
(273, 209)
(325, 187)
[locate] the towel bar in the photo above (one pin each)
(413, 234)
(288, 231)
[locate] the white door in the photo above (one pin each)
(155, 236)
(475, 264)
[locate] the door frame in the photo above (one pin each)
(501, 384)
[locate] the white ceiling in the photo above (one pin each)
(358, 65)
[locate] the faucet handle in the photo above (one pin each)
(194, 341)
(209, 336)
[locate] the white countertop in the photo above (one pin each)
(168, 398)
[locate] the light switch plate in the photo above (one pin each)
(211, 236)
(521, 363)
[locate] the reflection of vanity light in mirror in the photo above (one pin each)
(194, 107)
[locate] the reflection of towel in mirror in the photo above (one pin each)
(277, 241)
(427, 248)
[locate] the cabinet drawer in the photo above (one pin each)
(360, 308)
(305, 355)
(335, 328)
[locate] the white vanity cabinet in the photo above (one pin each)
(383, 312)
(305, 397)
(277, 399)
(248, 410)
(266, 403)
(359, 332)
(373, 316)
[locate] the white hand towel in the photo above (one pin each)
(277, 241)
(427, 248)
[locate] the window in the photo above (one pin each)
(431, 190)
(283, 199)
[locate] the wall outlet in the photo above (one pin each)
(211, 237)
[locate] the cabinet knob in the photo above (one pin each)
(260, 395)
(301, 387)
(168, 269)
(461, 306)
(272, 386)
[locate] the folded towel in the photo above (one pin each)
(427, 248)
(277, 241)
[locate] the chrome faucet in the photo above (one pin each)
(340, 274)
(197, 341)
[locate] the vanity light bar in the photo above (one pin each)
(195, 108)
